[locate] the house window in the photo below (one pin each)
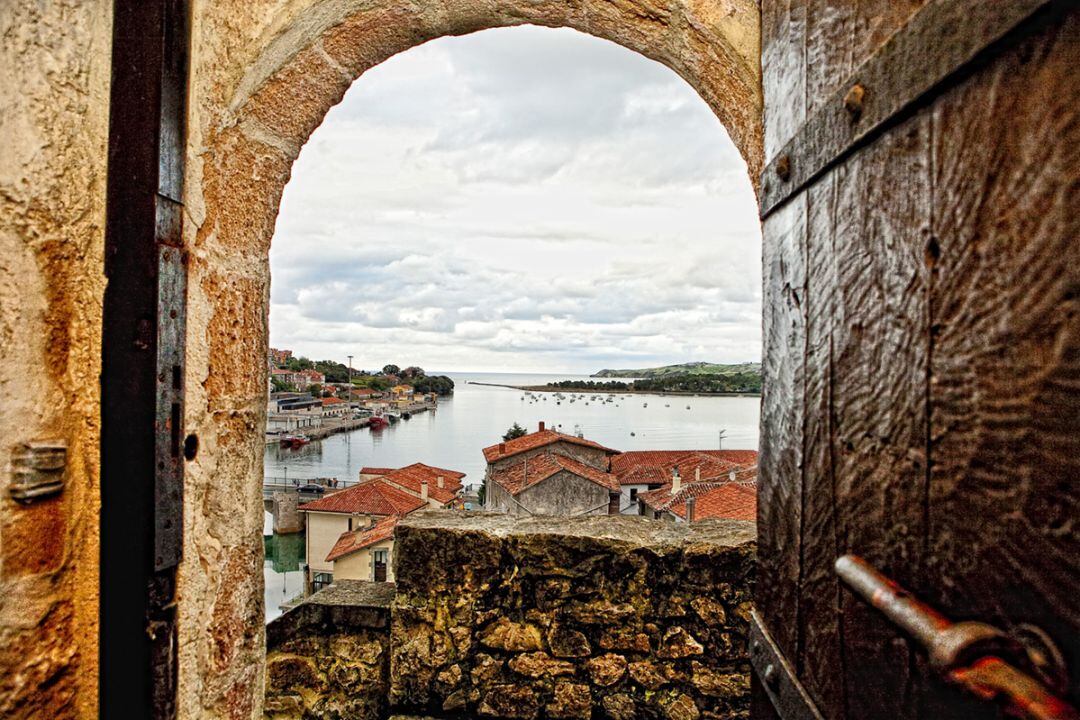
(633, 494)
(379, 560)
(321, 580)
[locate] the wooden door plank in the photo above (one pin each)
(880, 360)
(783, 65)
(1005, 427)
(820, 652)
(780, 461)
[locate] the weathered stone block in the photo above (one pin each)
(565, 643)
(572, 701)
(607, 669)
(506, 635)
(512, 702)
(678, 643)
(540, 664)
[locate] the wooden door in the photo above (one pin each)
(922, 336)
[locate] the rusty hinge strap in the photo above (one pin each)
(937, 42)
(974, 656)
(778, 678)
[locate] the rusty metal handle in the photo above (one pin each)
(971, 655)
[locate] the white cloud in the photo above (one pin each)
(518, 199)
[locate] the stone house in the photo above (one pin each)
(550, 473)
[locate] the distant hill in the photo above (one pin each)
(690, 368)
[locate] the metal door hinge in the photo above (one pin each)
(787, 694)
(37, 470)
(974, 656)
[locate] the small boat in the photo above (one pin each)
(294, 441)
(378, 422)
(687, 407)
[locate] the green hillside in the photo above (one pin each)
(691, 368)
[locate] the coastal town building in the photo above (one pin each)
(641, 471)
(335, 407)
(350, 533)
(550, 473)
(730, 495)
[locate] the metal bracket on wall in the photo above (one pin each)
(37, 470)
(786, 693)
(936, 44)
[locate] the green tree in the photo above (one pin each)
(391, 370)
(515, 431)
(315, 389)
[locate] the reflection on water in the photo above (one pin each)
(477, 415)
(282, 569)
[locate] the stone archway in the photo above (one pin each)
(261, 86)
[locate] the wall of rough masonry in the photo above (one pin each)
(615, 617)
(328, 657)
(54, 93)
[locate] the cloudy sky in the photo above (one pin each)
(521, 199)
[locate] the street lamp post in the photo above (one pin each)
(350, 381)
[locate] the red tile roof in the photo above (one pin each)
(375, 470)
(376, 497)
(331, 401)
(721, 498)
(732, 501)
(653, 467)
(411, 477)
(537, 440)
(353, 540)
(522, 475)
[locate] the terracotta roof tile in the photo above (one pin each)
(536, 440)
(522, 475)
(653, 467)
(375, 470)
(713, 498)
(353, 540)
(331, 401)
(411, 477)
(376, 497)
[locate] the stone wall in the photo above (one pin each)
(54, 94)
(327, 657)
(612, 616)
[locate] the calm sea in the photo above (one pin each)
(476, 416)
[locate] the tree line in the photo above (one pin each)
(739, 382)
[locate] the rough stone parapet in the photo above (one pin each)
(615, 616)
(329, 656)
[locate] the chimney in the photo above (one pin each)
(541, 426)
(440, 482)
(676, 481)
(690, 509)
(697, 474)
(731, 475)
(423, 490)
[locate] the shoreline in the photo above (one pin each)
(602, 391)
